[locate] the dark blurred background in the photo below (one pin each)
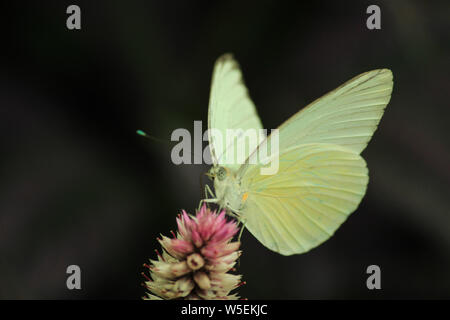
(78, 186)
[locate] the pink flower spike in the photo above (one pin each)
(226, 232)
(181, 228)
(196, 264)
(196, 239)
(182, 246)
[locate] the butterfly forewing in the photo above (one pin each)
(230, 108)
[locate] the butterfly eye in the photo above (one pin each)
(221, 173)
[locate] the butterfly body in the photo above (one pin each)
(228, 189)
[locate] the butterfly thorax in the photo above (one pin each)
(228, 189)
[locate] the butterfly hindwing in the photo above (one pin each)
(316, 188)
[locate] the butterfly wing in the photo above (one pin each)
(230, 107)
(321, 177)
(316, 188)
(347, 116)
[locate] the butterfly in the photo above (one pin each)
(321, 176)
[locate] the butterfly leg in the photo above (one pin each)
(206, 201)
(208, 190)
(238, 216)
(242, 221)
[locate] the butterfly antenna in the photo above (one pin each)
(145, 135)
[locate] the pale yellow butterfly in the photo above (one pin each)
(321, 177)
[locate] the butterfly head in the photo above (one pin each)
(219, 173)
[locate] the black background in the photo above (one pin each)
(78, 186)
